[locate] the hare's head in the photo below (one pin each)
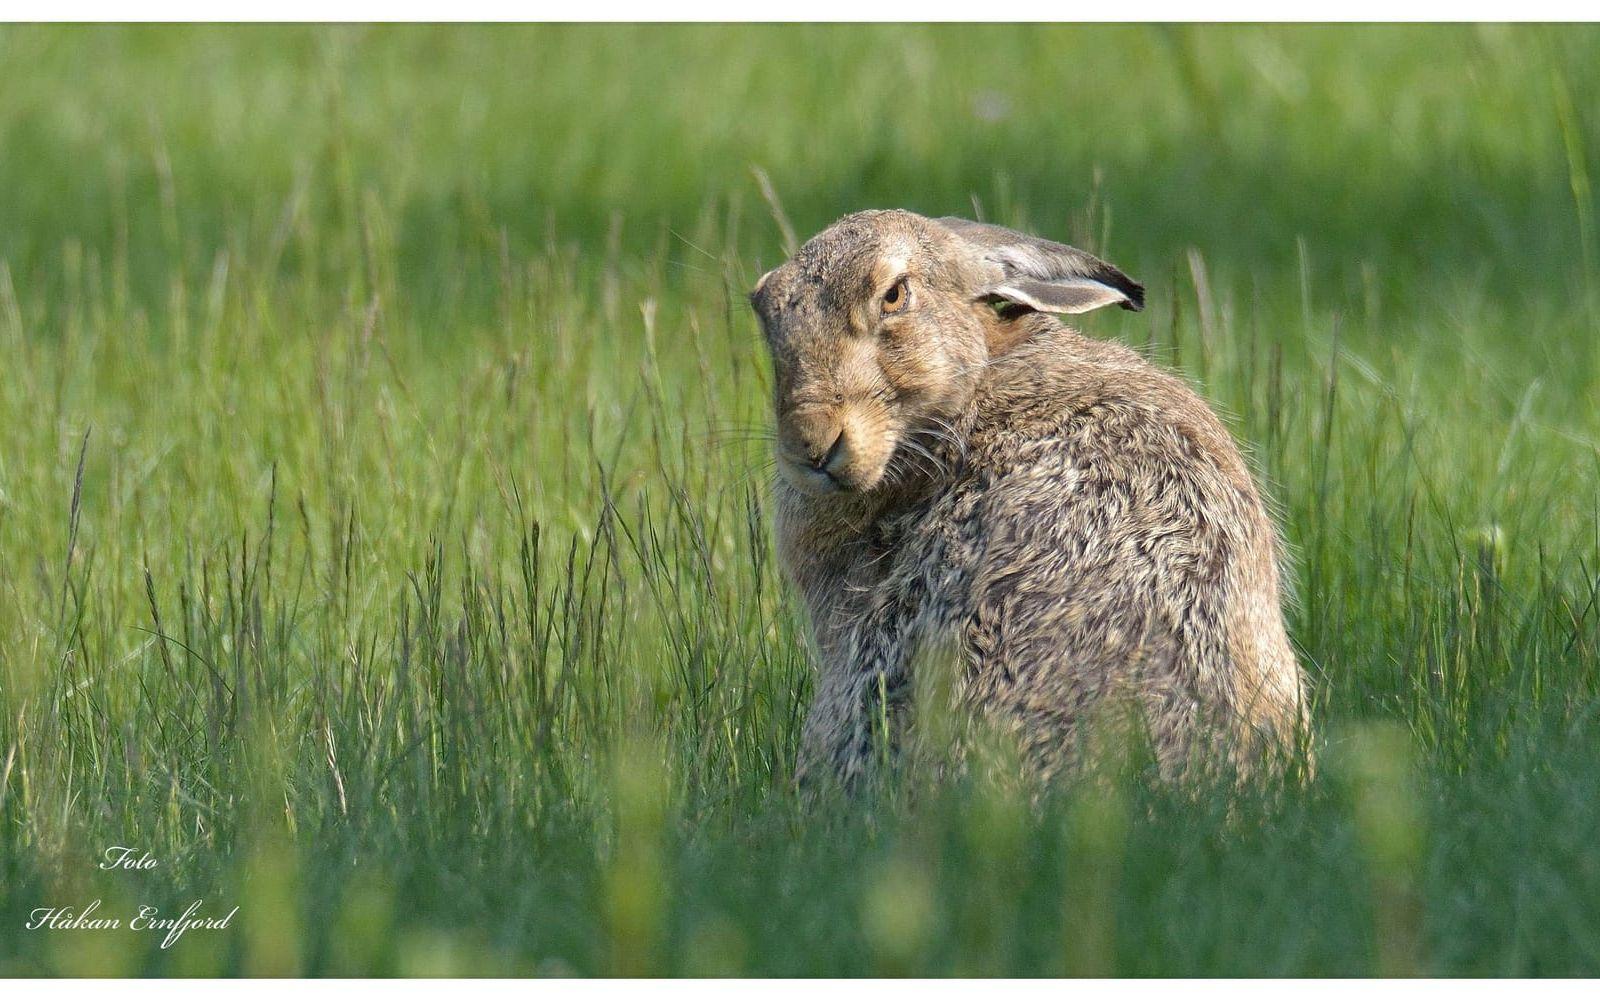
(880, 326)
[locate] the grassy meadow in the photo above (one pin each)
(384, 532)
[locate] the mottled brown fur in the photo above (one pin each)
(1078, 522)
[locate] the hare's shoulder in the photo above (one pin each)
(1099, 491)
(1064, 401)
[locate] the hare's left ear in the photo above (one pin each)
(1042, 275)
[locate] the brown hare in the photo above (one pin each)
(957, 467)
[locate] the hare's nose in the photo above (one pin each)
(831, 457)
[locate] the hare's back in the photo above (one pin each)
(1121, 536)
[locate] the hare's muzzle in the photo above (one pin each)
(815, 450)
(822, 451)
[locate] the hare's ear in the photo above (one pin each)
(1042, 275)
(755, 293)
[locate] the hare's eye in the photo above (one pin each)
(896, 298)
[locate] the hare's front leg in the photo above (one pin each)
(859, 706)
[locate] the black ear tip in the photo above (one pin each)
(1135, 296)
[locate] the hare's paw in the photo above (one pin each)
(853, 724)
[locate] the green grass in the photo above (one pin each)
(383, 528)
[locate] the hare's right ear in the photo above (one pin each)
(755, 293)
(1040, 274)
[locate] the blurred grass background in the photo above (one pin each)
(383, 524)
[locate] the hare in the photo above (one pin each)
(957, 466)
